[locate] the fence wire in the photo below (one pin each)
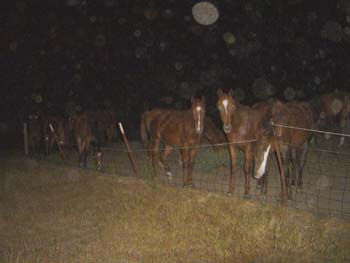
(326, 176)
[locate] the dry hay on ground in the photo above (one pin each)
(46, 216)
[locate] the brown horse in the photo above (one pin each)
(106, 124)
(183, 129)
(211, 133)
(34, 132)
(332, 111)
(86, 131)
(345, 120)
(293, 143)
(59, 125)
(240, 123)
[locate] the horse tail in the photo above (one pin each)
(144, 130)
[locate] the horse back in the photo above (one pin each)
(174, 127)
(252, 118)
(83, 125)
(298, 115)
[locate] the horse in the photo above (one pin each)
(85, 128)
(176, 128)
(240, 123)
(59, 125)
(332, 111)
(34, 121)
(211, 132)
(293, 143)
(106, 124)
(345, 120)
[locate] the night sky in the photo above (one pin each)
(135, 55)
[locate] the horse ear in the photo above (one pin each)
(203, 99)
(230, 92)
(220, 93)
(192, 99)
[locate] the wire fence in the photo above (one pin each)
(326, 177)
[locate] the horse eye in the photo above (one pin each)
(220, 108)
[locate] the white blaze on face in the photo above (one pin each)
(225, 103)
(198, 109)
(262, 167)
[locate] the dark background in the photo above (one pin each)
(136, 55)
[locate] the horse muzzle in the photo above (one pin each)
(199, 130)
(227, 128)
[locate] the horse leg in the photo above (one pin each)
(98, 156)
(163, 159)
(98, 153)
(193, 154)
(150, 152)
(185, 153)
(294, 163)
(51, 144)
(264, 183)
(85, 153)
(80, 151)
(155, 154)
(286, 161)
(233, 154)
(247, 169)
(301, 164)
(47, 144)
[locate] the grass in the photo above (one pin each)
(51, 213)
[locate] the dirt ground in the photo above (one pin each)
(55, 213)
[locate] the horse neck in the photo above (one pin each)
(237, 118)
(188, 115)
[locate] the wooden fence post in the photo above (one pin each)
(128, 148)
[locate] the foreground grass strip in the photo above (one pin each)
(50, 214)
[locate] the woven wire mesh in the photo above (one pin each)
(326, 176)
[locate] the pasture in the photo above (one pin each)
(55, 213)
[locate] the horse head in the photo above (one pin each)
(198, 112)
(278, 112)
(226, 106)
(267, 135)
(264, 144)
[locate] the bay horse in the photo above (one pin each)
(34, 132)
(211, 132)
(345, 120)
(241, 124)
(293, 143)
(332, 111)
(85, 128)
(106, 124)
(176, 128)
(59, 125)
